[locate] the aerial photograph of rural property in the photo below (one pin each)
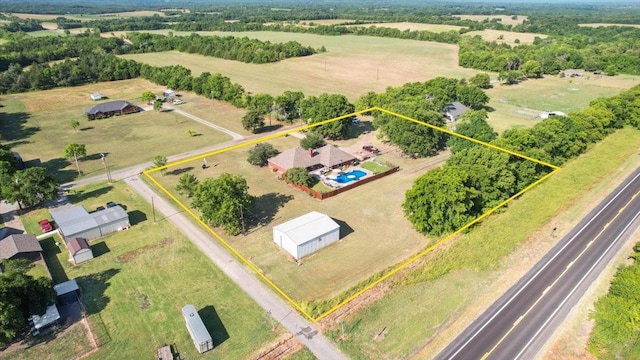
(289, 179)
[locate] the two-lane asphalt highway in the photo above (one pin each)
(520, 322)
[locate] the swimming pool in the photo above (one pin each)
(350, 176)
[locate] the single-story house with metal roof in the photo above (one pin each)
(79, 250)
(328, 156)
(199, 333)
(168, 95)
(76, 222)
(24, 246)
(454, 110)
(306, 234)
(96, 96)
(111, 108)
(50, 317)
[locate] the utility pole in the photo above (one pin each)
(242, 219)
(106, 168)
(153, 210)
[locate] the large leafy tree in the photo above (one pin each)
(298, 176)
(325, 107)
(262, 103)
(224, 201)
(472, 96)
(75, 151)
(159, 161)
(28, 187)
(441, 201)
(473, 124)
(289, 105)
(187, 184)
(21, 296)
(312, 140)
(261, 153)
(253, 120)
(481, 80)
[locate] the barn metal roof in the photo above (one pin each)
(307, 227)
(66, 287)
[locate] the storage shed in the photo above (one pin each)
(199, 333)
(306, 234)
(76, 222)
(96, 96)
(79, 250)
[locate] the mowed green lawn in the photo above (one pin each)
(374, 233)
(520, 105)
(141, 278)
(37, 125)
(352, 65)
(417, 314)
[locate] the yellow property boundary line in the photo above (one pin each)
(306, 127)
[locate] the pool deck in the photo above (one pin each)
(329, 180)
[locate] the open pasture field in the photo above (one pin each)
(421, 317)
(87, 17)
(504, 19)
(36, 124)
(436, 28)
(520, 105)
(374, 232)
(135, 287)
(352, 65)
(595, 25)
(509, 37)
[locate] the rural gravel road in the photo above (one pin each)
(282, 312)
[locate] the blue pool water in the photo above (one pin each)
(352, 175)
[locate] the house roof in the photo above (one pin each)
(52, 315)
(198, 330)
(455, 109)
(77, 244)
(307, 227)
(77, 219)
(327, 155)
(66, 287)
(17, 244)
(73, 220)
(111, 106)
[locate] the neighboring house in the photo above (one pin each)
(39, 322)
(199, 333)
(306, 234)
(547, 114)
(168, 95)
(573, 73)
(454, 110)
(76, 222)
(327, 156)
(96, 96)
(111, 108)
(79, 250)
(16, 246)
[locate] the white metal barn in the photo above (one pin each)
(306, 234)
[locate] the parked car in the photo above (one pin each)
(111, 204)
(45, 225)
(100, 208)
(178, 102)
(371, 149)
(355, 120)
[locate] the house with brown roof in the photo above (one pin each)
(79, 250)
(111, 108)
(20, 246)
(328, 156)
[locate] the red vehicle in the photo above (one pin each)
(45, 225)
(371, 149)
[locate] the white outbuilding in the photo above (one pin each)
(306, 234)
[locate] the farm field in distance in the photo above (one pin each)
(36, 124)
(504, 19)
(133, 310)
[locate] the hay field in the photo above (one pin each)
(414, 26)
(595, 25)
(36, 124)
(504, 19)
(508, 37)
(352, 65)
(374, 232)
(519, 105)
